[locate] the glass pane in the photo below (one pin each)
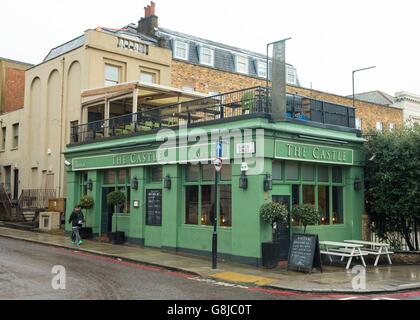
(337, 175)
(192, 173)
(225, 206)
(227, 172)
(208, 172)
(295, 200)
(156, 174)
(112, 73)
(324, 204)
(207, 207)
(277, 174)
(323, 174)
(191, 205)
(308, 196)
(110, 176)
(128, 202)
(121, 176)
(292, 171)
(308, 172)
(338, 213)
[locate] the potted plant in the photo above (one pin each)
(116, 199)
(86, 202)
(276, 215)
(306, 215)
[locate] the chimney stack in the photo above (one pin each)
(149, 22)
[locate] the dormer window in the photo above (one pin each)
(291, 78)
(181, 50)
(242, 64)
(262, 69)
(207, 56)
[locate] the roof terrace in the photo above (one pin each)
(252, 102)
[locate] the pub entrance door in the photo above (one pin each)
(107, 212)
(283, 233)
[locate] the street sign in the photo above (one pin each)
(219, 150)
(218, 164)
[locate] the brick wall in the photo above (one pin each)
(14, 89)
(207, 80)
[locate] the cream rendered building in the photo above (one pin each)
(410, 103)
(99, 58)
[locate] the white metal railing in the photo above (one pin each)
(396, 240)
(134, 46)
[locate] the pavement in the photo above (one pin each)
(383, 279)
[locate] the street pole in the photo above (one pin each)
(353, 73)
(219, 155)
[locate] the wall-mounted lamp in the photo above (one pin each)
(135, 183)
(243, 181)
(268, 183)
(89, 185)
(167, 182)
(357, 184)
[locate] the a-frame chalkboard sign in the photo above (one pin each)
(304, 253)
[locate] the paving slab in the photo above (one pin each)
(332, 280)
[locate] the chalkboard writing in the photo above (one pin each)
(154, 207)
(304, 253)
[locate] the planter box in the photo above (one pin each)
(86, 233)
(270, 254)
(116, 237)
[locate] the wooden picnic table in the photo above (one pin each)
(374, 248)
(343, 250)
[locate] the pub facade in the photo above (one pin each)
(162, 160)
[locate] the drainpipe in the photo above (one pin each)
(63, 61)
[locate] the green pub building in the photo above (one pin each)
(313, 156)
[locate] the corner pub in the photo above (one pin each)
(312, 156)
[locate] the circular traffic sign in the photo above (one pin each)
(218, 164)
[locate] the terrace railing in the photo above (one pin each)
(233, 104)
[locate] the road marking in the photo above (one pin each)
(242, 278)
(351, 298)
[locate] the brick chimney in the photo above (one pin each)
(149, 23)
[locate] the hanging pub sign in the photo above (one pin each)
(304, 253)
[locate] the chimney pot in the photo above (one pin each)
(152, 8)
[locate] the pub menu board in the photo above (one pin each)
(154, 207)
(304, 254)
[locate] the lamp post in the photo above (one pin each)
(354, 71)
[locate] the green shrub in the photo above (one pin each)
(115, 198)
(274, 213)
(306, 215)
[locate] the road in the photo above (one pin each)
(26, 274)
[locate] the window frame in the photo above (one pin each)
(262, 66)
(107, 82)
(187, 48)
(239, 57)
(15, 140)
(212, 51)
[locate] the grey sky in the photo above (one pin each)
(330, 37)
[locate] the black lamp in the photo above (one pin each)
(89, 185)
(268, 183)
(357, 184)
(167, 182)
(243, 181)
(135, 183)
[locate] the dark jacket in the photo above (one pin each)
(77, 219)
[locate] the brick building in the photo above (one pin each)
(12, 84)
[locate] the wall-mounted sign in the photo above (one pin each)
(313, 153)
(136, 204)
(245, 148)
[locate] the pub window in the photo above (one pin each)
(277, 167)
(337, 175)
(207, 207)
(324, 204)
(155, 174)
(83, 180)
(191, 205)
(110, 176)
(338, 213)
(226, 206)
(292, 171)
(308, 194)
(200, 208)
(120, 180)
(154, 208)
(112, 75)
(308, 172)
(323, 174)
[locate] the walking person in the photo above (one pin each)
(77, 220)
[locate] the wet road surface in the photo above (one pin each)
(26, 273)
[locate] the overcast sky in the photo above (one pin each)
(330, 37)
